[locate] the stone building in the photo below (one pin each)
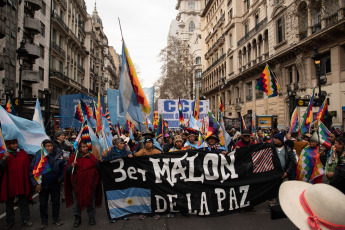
(24, 24)
(188, 30)
(240, 37)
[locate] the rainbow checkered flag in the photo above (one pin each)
(294, 127)
(41, 165)
(79, 113)
(323, 114)
(84, 134)
(309, 165)
(308, 115)
(85, 109)
(10, 108)
(196, 109)
(268, 83)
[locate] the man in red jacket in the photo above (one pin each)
(15, 182)
(83, 187)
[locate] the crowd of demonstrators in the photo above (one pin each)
(76, 172)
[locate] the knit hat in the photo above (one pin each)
(279, 136)
(177, 138)
(58, 133)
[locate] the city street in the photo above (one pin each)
(238, 221)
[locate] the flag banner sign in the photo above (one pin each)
(195, 182)
(170, 111)
(68, 105)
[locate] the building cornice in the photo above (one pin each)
(207, 7)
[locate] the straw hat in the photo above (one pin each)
(326, 202)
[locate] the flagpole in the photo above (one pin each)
(120, 28)
(2, 137)
(75, 159)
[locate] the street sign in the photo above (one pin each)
(28, 101)
(305, 102)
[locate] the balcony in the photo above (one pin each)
(252, 32)
(332, 19)
(249, 98)
(2, 62)
(30, 76)
(81, 69)
(35, 4)
(259, 95)
(33, 25)
(59, 21)
(84, 89)
(316, 27)
(58, 50)
(33, 50)
(2, 29)
(215, 63)
(218, 43)
(58, 77)
(63, 3)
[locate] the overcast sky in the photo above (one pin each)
(145, 27)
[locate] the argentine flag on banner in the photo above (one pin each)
(128, 201)
(29, 133)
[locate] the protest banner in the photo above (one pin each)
(169, 109)
(194, 182)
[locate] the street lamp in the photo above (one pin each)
(21, 54)
(292, 99)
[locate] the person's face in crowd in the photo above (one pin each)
(260, 133)
(313, 144)
(120, 146)
(178, 144)
(12, 145)
(61, 137)
(83, 149)
(184, 137)
(160, 140)
(305, 138)
(246, 138)
(148, 145)
(191, 138)
(127, 134)
(332, 138)
(211, 141)
(338, 147)
(49, 147)
(277, 142)
(171, 140)
(288, 136)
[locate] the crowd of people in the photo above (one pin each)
(74, 178)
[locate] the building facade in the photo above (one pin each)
(188, 30)
(282, 34)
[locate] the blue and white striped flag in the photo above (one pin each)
(29, 133)
(128, 201)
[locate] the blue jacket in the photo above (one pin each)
(57, 165)
(115, 153)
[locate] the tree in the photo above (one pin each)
(176, 70)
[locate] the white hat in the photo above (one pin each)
(326, 202)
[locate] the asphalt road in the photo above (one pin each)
(260, 219)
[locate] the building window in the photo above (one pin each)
(61, 66)
(290, 75)
(247, 2)
(256, 19)
(41, 73)
(325, 64)
(191, 5)
(43, 30)
(250, 91)
(54, 36)
(246, 28)
(231, 64)
(44, 6)
(230, 40)
(53, 63)
(56, 92)
(280, 30)
(27, 91)
(41, 51)
(297, 75)
(198, 73)
(198, 60)
(191, 26)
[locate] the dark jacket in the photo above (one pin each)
(57, 165)
(59, 147)
(115, 153)
(338, 180)
(290, 162)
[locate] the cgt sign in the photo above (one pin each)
(169, 110)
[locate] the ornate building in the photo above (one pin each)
(188, 30)
(241, 37)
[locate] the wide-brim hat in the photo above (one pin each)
(325, 201)
(213, 136)
(246, 132)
